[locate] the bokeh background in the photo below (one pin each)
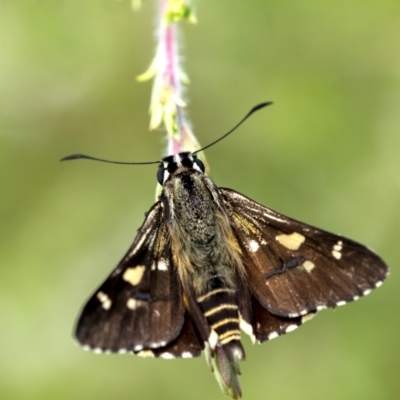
(327, 152)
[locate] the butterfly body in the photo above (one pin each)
(208, 262)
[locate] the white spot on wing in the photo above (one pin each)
(247, 329)
(213, 339)
(291, 328)
(378, 284)
(132, 304)
(254, 246)
(167, 356)
(97, 350)
(319, 308)
(162, 265)
(336, 251)
(104, 300)
(186, 354)
(134, 275)
(341, 303)
(273, 335)
(366, 292)
(122, 351)
(292, 241)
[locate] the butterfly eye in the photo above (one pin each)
(200, 164)
(160, 175)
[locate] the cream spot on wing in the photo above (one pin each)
(134, 275)
(292, 241)
(145, 353)
(162, 265)
(133, 304)
(308, 265)
(153, 266)
(336, 251)
(307, 317)
(263, 242)
(254, 246)
(104, 300)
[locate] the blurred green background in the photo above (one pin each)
(327, 153)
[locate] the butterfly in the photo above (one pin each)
(208, 263)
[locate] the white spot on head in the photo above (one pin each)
(145, 353)
(167, 356)
(254, 246)
(134, 275)
(186, 354)
(341, 303)
(291, 328)
(162, 265)
(308, 265)
(104, 300)
(213, 339)
(292, 241)
(273, 335)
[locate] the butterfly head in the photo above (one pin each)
(178, 162)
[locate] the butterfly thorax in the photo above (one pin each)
(201, 236)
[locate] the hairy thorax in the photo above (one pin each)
(202, 239)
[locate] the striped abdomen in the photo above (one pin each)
(220, 308)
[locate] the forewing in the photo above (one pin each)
(139, 306)
(293, 268)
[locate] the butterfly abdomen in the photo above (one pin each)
(220, 308)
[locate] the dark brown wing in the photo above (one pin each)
(140, 305)
(295, 269)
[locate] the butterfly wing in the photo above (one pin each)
(295, 269)
(139, 307)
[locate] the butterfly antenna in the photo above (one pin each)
(253, 110)
(85, 157)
